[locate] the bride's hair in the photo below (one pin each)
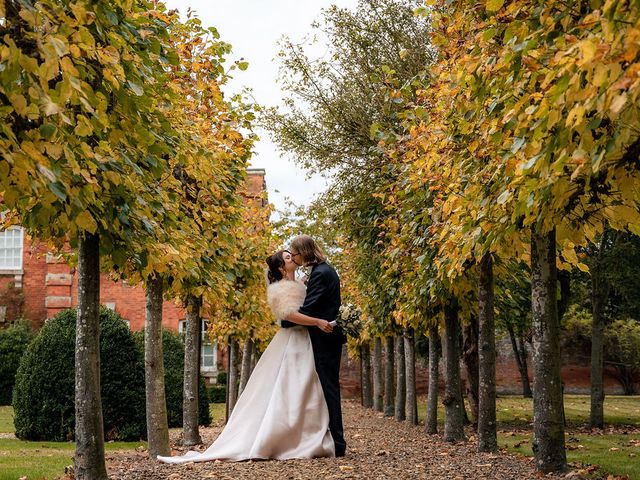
(275, 263)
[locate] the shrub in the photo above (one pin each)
(43, 397)
(204, 414)
(173, 356)
(622, 350)
(218, 394)
(221, 379)
(13, 343)
(576, 332)
(621, 345)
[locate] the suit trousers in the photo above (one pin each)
(328, 369)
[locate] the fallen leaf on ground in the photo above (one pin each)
(417, 456)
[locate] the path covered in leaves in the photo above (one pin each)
(378, 448)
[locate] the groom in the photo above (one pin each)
(322, 301)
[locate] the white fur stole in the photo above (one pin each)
(285, 297)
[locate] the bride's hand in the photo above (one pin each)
(324, 326)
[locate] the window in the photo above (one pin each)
(182, 324)
(208, 357)
(208, 350)
(11, 242)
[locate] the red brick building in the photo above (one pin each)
(37, 285)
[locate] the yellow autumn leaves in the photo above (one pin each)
(543, 95)
(113, 122)
(532, 123)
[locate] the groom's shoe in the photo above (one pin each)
(340, 453)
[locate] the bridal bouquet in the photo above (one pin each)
(350, 320)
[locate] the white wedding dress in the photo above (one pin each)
(282, 413)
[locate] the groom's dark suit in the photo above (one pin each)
(323, 301)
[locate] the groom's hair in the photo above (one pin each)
(310, 251)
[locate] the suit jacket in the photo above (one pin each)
(322, 301)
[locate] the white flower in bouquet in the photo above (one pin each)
(349, 319)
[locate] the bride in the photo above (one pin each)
(282, 413)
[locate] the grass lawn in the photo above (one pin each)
(614, 454)
(6, 419)
(617, 454)
(43, 460)
(516, 411)
(618, 410)
(47, 460)
(217, 411)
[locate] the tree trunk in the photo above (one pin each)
(599, 296)
(361, 376)
(389, 373)
(564, 281)
(226, 386)
(526, 385)
(192, 339)
(410, 368)
(89, 456)
(453, 405)
(471, 365)
(367, 393)
(548, 425)
(157, 423)
(401, 379)
(377, 374)
(598, 301)
(487, 434)
(520, 355)
(245, 372)
(255, 356)
(232, 377)
(465, 415)
(431, 420)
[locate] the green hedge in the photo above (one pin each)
(218, 394)
(173, 355)
(43, 397)
(221, 378)
(13, 342)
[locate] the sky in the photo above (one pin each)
(253, 28)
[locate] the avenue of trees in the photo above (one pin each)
(484, 158)
(120, 150)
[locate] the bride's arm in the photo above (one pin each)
(302, 319)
